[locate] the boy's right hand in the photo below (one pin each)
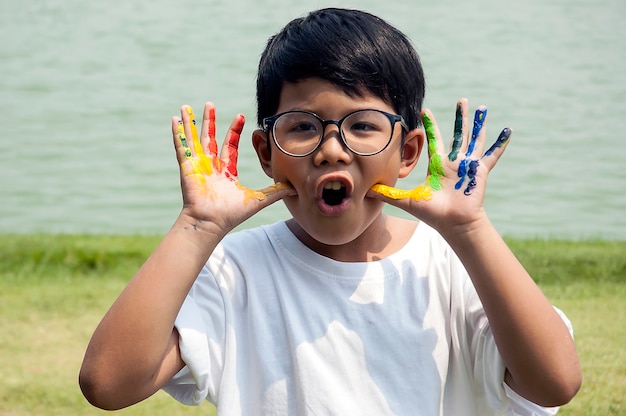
(212, 194)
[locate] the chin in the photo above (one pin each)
(332, 224)
(329, 232)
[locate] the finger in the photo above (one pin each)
(230, 150)
(496, 150)
(268, 195)
(194, 129)
(180, 140)
(479, 120)
(189, 131)
(460, 125)
(389, 193)
(207, 130)
(275, 192)
(435, 166)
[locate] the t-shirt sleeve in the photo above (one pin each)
(200, 325)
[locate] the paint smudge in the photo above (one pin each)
(260, 195)
(202, 164)
(183, 139)
(435, 172)
(462, 172)
(233, 147)
(458, 133)
(195, 140)
(421, 193)
(212, 146)
(479, 120)
(471, 175)
(467, 169)
(435, 166)
(501, 141)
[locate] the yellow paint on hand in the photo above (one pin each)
(260, 195)
(197, 146)
(421, 193)
(276, 187)
(201, 166)
(183, 139)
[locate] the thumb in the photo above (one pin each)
(390, 194)
(274, 192)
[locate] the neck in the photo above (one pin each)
(383, 237)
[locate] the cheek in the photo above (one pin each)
(286, 168)
(387, 171)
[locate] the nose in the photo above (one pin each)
(332, 149)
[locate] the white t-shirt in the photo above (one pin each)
(273, 328)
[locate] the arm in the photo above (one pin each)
(538, 351)
(134, 350)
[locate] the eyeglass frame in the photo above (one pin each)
(270, 122)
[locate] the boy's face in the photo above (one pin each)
(331, 205)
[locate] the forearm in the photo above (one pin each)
(134, 349)
(535, 344)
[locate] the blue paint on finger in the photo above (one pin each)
(502, 139)
(479, 120)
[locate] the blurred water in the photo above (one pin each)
(87, 90)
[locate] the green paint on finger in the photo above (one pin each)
(435, 165)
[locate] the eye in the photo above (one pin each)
(363, 127)
(303, 127)
(366, 123)
(298, 124)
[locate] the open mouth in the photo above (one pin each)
(333, 193)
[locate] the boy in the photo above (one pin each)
(341, 309)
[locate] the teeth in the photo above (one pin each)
(334, 185)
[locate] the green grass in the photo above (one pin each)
(587, 280)
(53, 292)
(55, 289)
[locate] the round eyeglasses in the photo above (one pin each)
(364, 132)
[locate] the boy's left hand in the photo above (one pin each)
(453, 193)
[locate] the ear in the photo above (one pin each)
(413, 143)
(262, 147)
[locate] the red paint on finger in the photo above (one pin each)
(212, 141)
(233, 144)
(233, 154)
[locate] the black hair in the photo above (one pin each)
(352, 49)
